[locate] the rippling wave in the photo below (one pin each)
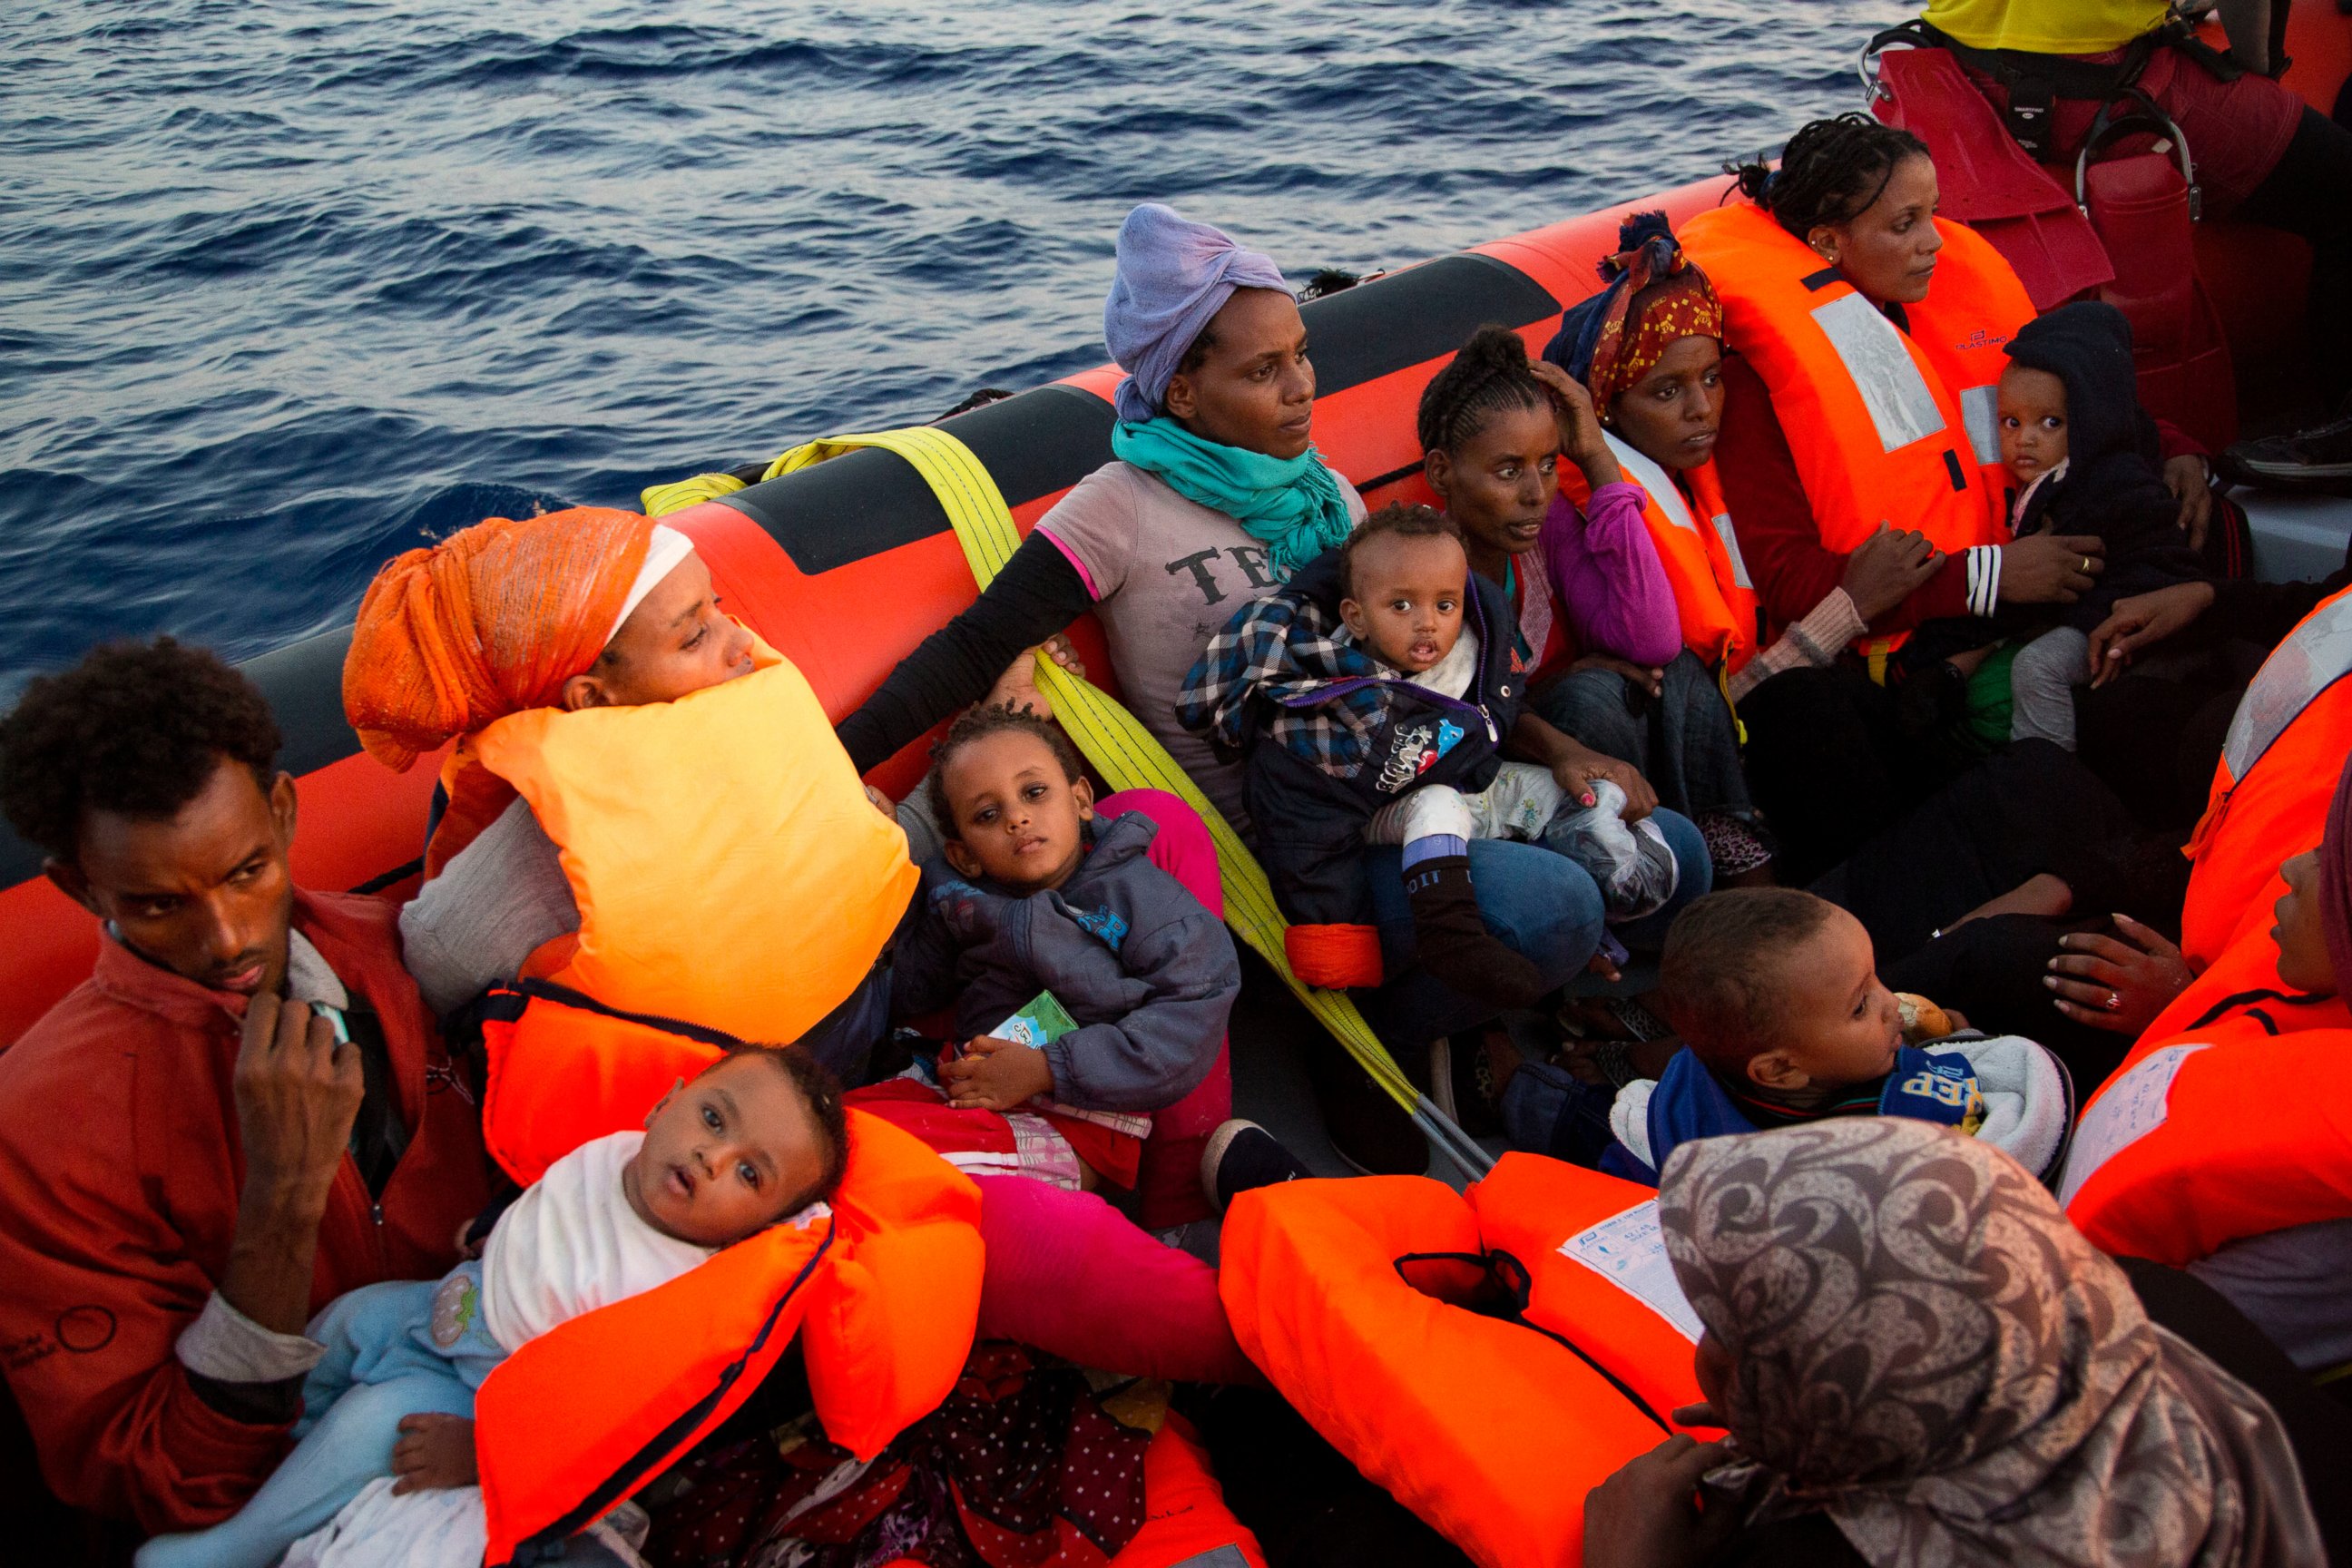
(286, 287)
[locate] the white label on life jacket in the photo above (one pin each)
(1878, 360)
(1654, 479)
(2315, 656)
(1981, 412)
(1723, 530)
(1628, 1250)
(2128, 1111)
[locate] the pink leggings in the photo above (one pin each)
(1167, 1189)
(1072, 1275)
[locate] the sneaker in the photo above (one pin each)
(2320, 457)
(1241, 1155)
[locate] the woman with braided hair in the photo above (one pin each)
(1611, 668)
(1864, 337)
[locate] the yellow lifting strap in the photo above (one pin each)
(1129, 757)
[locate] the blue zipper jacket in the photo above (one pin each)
(1690, 1103)
(1147, 974)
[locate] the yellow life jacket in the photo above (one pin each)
(729, 870)
(1887, 424)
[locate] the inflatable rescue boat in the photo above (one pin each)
(844, 566)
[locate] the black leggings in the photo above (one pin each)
(2309, 192)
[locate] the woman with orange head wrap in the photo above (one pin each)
(575, 659)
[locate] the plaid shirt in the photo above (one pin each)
(1284, 647)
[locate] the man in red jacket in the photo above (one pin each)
(244, 1112)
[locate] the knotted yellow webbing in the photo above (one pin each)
(1129, 757)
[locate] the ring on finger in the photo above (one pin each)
(2086, 565)
(2113, 1002)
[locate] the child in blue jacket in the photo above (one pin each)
(1783, 1019)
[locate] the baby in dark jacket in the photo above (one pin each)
(2086, 460)
(2084, 456)
(1375, 698)
(1039, 895)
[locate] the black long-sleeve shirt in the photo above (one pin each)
(1039, 593)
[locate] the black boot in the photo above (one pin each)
(1451, 942)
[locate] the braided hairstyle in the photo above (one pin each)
(1831, 172)
(1489, 376)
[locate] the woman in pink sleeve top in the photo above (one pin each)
(1598, 623)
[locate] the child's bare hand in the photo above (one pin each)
(433, 1454)
(995, 1075)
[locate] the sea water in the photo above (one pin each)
(287, 288)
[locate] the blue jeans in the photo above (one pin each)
(1542, 904)
(383, 1361)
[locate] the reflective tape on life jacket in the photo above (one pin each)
(1186, 1523)
(1714, 596)
(2238, 1125)
(1368, 1304)
(1887, 424)
(884, 1290)
(2285, 751)
(729, 867)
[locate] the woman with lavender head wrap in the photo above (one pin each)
(1919, 1361)
(1215, 496)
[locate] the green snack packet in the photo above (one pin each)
(1041, 1018)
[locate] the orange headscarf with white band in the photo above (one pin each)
(491, 621)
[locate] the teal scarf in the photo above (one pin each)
(1291, 505)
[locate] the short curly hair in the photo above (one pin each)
(979, 723)
(135, 729)
(1723, 977)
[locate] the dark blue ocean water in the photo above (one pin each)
(285, 288)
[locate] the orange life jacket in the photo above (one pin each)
(1186, 1522)
(1713, 596)
(2279, 765)
(2237, 1123)
(729, 867)
(1887, 424)
(884, 1291)
(1355, 1298)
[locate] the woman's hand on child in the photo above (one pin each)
(2190, 480)
(1580, 437)
(2050, 568)
(433, 1453)
(2118, 986)
(1582, 766)
(1647, 1515)
(1017, 687)
(2142, 619)
(1888, 568)
(881, 803)
(995, 1075)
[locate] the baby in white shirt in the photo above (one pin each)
(758, 1137)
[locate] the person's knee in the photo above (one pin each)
(1545, 906)
(1694, 866)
